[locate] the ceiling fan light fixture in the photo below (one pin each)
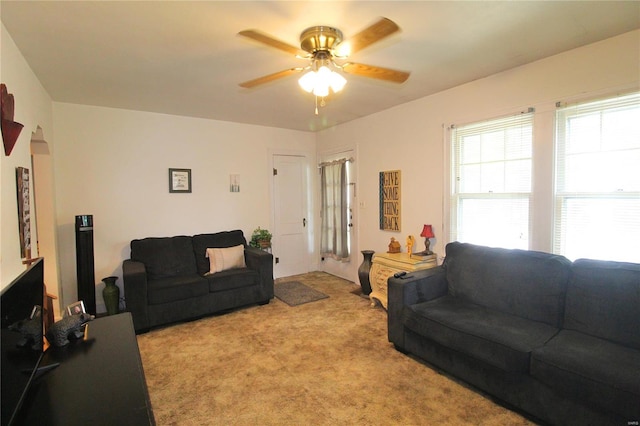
(343, 50)
(322, 82)
(336, 81)
(308, 81)
(319, 82)
(321, 90)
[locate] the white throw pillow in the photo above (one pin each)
(221, 259)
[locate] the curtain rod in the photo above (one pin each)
(342, 160)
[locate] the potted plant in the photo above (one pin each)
(261, 238)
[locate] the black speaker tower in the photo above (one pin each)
(84, 262)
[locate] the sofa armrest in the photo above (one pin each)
(262, 262)
(134, 275)
(421, 286)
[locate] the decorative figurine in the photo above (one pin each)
(394, 246)
(411, 240)
(60, 331)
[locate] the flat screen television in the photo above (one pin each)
(21, 335)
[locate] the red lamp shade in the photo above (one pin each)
(427, 232)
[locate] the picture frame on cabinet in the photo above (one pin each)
(75, 308)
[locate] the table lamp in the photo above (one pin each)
(427, 232)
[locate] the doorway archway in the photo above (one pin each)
(45, 217)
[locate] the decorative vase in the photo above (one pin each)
(264, 243)
(111, 295)
(363, 271)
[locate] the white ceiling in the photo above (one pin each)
(185, 58)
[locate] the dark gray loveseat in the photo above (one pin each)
(555, 339)
(166, 279)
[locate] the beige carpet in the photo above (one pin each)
(322, 363)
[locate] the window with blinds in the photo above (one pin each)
(597, 184)
(491, 182)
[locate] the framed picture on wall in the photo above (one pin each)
(179, 180)
(24, 211)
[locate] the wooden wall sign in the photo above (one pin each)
(390, 197)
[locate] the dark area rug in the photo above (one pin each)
(294, 293)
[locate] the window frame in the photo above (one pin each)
(561, 194)
(456, 198)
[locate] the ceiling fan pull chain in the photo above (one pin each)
(316, 105)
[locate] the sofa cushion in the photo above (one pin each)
(165, 257)
(224, 239)
(232, 278)
(527, 284)
(170, 289)
(221, 259)
(603, 300)
(502, 340)
(598, 371)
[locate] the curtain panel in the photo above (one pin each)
(333, 235)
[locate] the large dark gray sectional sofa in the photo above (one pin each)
(555, 339)
(167, 279)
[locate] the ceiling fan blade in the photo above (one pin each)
(376, 72)
(269, 78)
(376, 32)
(270, 41)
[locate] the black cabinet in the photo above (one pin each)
(99, 380)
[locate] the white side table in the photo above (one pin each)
(386, 264)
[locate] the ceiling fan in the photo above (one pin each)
(322, 46)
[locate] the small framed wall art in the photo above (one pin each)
(24, 211)
(234, 183)
(179, 180)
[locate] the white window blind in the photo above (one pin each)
(597, 190)
(491, 182)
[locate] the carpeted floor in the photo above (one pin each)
(321, 363)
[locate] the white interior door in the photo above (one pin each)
(290, 247)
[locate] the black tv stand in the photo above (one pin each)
(95, 380)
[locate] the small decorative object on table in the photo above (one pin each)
(111, 295)
(261, 238)
(58, 334)
(427, 232)
(394, 246)
(75, 308)
(411, 241)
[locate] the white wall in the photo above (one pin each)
(33, 110)
(114, 165)
(411, 137)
